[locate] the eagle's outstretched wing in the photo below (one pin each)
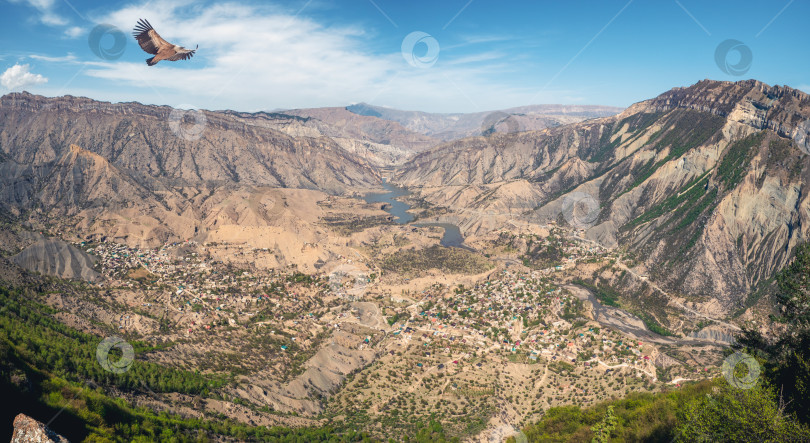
(148, 38)
(183, 54)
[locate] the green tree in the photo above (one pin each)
(738, 415)
(603, 429)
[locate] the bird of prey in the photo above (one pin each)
(152, 43)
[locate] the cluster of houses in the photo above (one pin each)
(518, 313)
(202, 293)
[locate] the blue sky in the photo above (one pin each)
(489, 55)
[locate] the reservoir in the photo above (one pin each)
(399, 210)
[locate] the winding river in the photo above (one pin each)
(452, 235)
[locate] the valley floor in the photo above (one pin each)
(386, 336)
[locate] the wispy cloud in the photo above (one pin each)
(45, 58)
(252, 57)
(476, 58)
(469, 40)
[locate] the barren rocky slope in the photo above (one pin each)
(57, 258)
(705, 183)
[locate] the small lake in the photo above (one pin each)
(452, 235)
(395, 207)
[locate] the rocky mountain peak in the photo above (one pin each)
(781, 109)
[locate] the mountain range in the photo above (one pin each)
(452, 126)
(704, 184)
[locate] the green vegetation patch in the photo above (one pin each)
(347, 224)
(690, 193)
(450, 260)
(652, 324)
(606, 294)
(738, 156)
(636, 126)
(31, 331)
(706, 411)
(46, 368)
(691, 129)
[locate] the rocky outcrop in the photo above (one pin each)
(714, 333)
(28, 430)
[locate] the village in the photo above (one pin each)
(518, 330)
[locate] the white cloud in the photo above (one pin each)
(74, 32)
(255, 57)
(45, 58)
(47, 10)
(18, 77)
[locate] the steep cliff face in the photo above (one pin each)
(706, 183)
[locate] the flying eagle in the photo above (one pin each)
(152, 43)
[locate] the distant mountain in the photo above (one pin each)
(705, 184)
(186, 148)
(457, 125)
(369, 128)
